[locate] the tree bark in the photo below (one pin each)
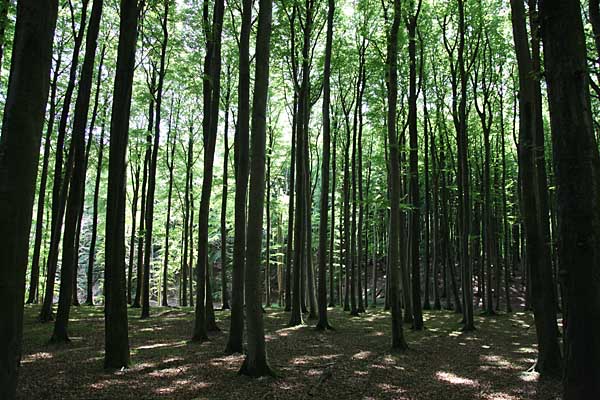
(256, 363)
(576, 162)
(241, 148)
(398, 341)
(115, 308)
(28, 87)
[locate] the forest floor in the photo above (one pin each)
(352, 362)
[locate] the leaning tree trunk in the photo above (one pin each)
(19, 156)
(34, 281)
(74, 204)
(61, 183)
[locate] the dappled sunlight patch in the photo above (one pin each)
(454, 379)
(525, 350)
(169, 372)
(529, 376)
(499, 396)
(361, 373)
(102, 385)
(161, 345)
(305, 359)
(495, 361)
(141, 366)
(362, 355)
(189, 384)
(389, 388)
(42, 355)
(286, 331)
(378, 333)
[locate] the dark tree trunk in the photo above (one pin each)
(256, 363)
(398, 341)
(115, 308)
(34, 281)
(61, 183)
(415, 213)
(241, 148)
(224, 261)
(576, 163)
(153, 162)
(212, 81)
(323, 322)
(332, 286)
(92, 250)
(19, 148)
(74, 204)
(170, 158)
(290, 227)
(92, 253)
(538, 255)
(141, 235)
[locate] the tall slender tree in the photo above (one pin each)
(256, 363)
(115, 307)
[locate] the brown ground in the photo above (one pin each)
(353, 362)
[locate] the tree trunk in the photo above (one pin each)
(398, 341)
(74, 204)
(415, 213)
(153, 162)
(115, 308)
(576, 164)
(256, 363)
(212, 82)
(61, 183)
(34, 281)
(537, 253)
(241, 148)
(20, 146)
(92, 250)
(224, 292)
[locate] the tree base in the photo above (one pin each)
(354, 313)
(323, 326)
(426, 306)
(225, 307)
(399, 348)
(233, 349)
(256, 371)
(45, 318)
(468, 328)
(62, 338)
(200, 338)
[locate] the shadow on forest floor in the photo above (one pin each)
(352, 362)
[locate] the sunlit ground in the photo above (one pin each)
(352, 362)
